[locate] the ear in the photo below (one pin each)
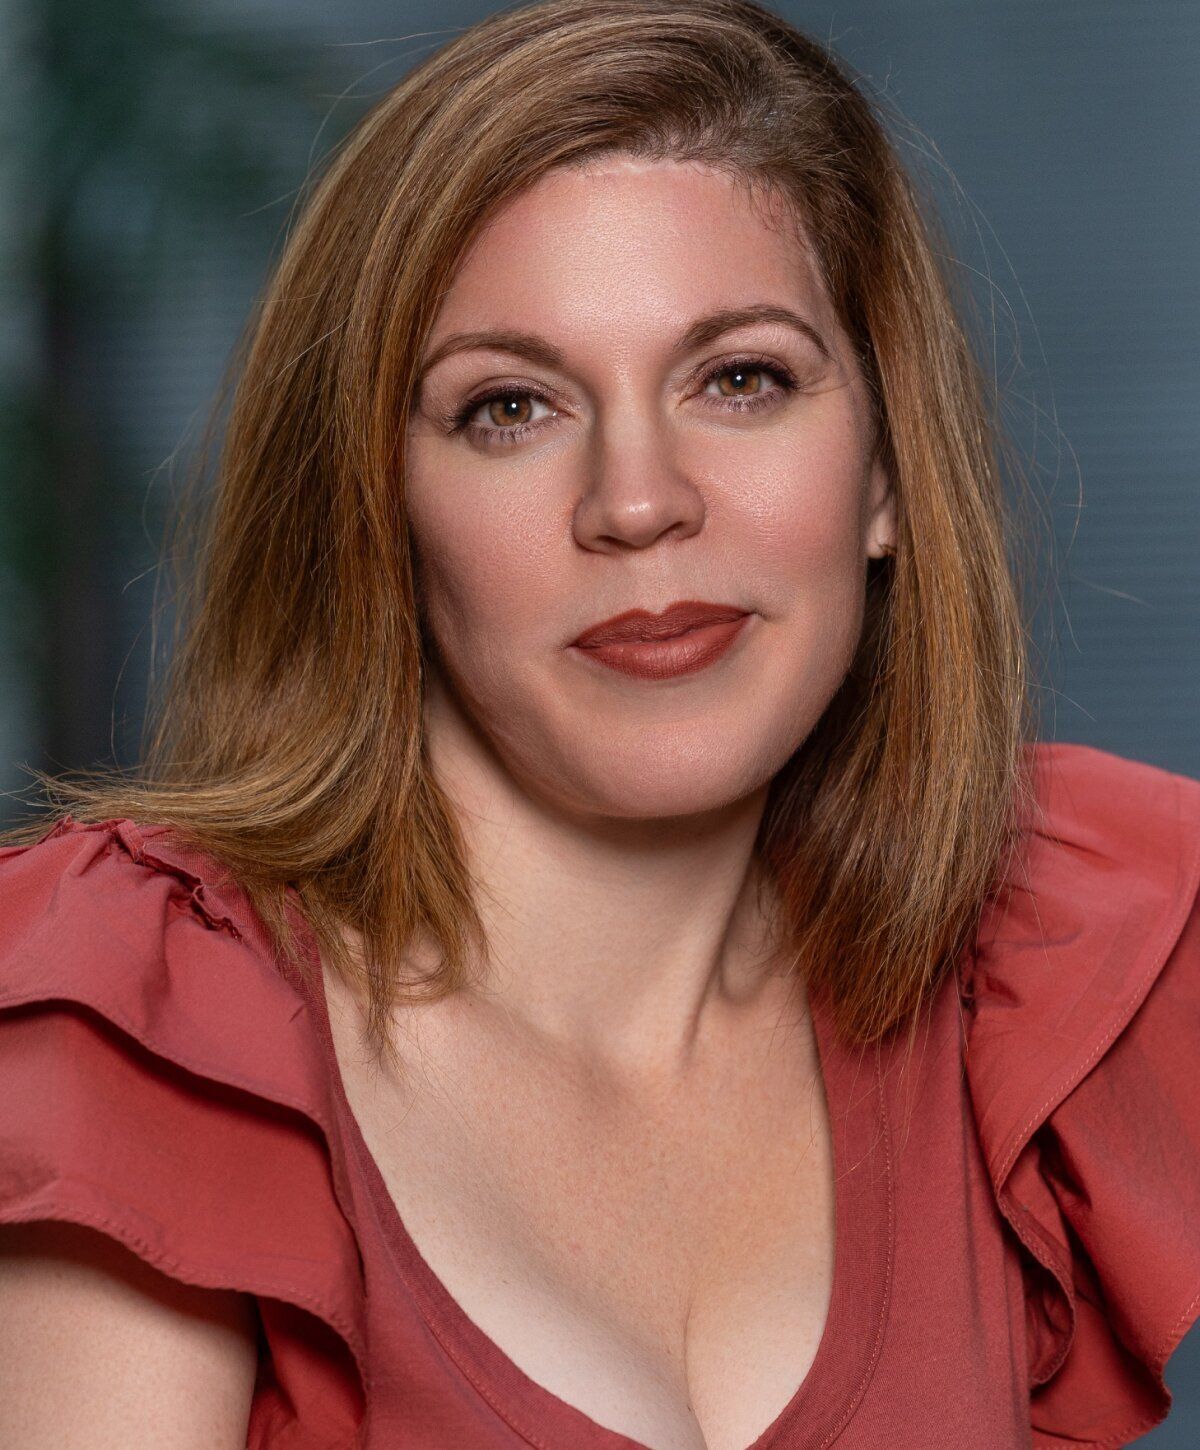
(881, 512)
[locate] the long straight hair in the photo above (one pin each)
(288, 741)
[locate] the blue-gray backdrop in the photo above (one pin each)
(151, 153)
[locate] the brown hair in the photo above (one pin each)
(288, 743)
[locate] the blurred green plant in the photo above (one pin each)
(133, 126)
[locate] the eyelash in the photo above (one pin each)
(459, 421)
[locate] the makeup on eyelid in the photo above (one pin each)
(458, 420)
(655, 474)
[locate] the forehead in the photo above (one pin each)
(620, 246)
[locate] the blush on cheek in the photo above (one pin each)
(492, 552)
(798, 506)
(488, 608)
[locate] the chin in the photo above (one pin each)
(634, 785)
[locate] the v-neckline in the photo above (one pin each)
(856, 1319)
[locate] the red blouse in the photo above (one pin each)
(1017, 1205)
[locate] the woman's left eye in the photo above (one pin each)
(746, 375)
(509, 410)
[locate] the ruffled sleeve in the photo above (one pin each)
(160, 1083)
(1083, 1067)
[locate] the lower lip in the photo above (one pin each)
(662, 659)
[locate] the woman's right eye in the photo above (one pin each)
(508, 414)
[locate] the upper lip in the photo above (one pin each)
(637, 624)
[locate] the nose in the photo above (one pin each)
(637, 490)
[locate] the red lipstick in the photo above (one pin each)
(687, 636)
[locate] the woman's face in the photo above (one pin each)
(646, 454)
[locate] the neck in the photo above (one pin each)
(620, 942)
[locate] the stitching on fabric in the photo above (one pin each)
(133, 841)
(1049, 1256)
(464, 1364)
(1160, 1352)
(186, 1060)
(202, 895)
(231, 1079)
(176, 1268)
(1056, 1261)
(531, 1438)
(527, 1435)
(884, 1136)
(164, 1262)
(881, 1324)
(1019, 1219)
(1187, 904)
(1168, 1343)
(203, 900)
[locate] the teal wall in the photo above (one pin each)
(149, 158)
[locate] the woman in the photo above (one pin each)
(596, 956)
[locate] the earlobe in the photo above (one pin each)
(881, 531)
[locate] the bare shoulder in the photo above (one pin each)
(93, 1338)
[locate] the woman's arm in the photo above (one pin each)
(100, 1351)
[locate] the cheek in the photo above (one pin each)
(483, 566)
(783, 531)
(799, 518)
(800, 533)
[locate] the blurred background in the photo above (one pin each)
(152, 152)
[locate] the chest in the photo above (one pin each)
(661, 1259)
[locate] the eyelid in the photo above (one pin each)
(496, 393)
(755, 361)
(458, 419)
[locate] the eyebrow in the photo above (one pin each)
(704, 330)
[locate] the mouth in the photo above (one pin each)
(637, 625)
(685, 637)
